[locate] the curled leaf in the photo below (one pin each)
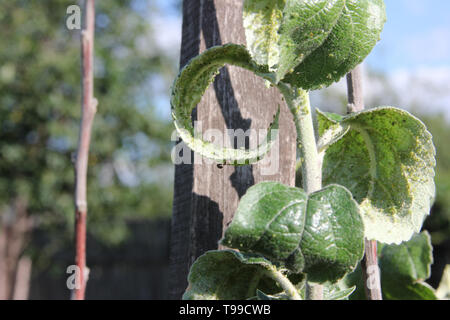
(386, 159)
(319, 234)
(188, 89)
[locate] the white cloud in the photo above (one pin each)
(429, 46)
(421, 90)
(164, 36)
(415, 7)
(167, 33)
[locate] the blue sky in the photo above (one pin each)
(416, 35)
(414, 52)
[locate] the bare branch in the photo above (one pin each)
(89, 109)
(355, 91)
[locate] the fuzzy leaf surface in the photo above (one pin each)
(312, 43)
(229, 275)
(188, 89)
(386, 158)
(320, 234)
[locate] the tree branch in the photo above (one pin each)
(89, 108)
(355, 91)
(369, 265)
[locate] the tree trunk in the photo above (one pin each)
(15, 227)
(206, 195)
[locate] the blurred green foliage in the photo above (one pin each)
(438, 223)
(130, 172)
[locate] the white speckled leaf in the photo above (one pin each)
(312, 43)
(352, 38)
(188, 89)
(262, 20)
(386, 159)
(306, 25)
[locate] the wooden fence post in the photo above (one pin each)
(206, 195)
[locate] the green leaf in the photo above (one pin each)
(386, 159)
(229, 275)
(355, 279)
(320, 234)
(306, 26)
(188, 89)
(405, 267)
(335, 292)
(262, 20)
(312, 44)
(342, 33)
(403, 270)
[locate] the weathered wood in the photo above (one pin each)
(205, 195)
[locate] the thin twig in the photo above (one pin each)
(89, 108)
(355, 91)
(370, 270)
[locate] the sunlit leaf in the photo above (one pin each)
(313, 43)
(320, 234)
(386, 159)
(262, 20)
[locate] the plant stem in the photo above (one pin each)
(371, 272)
(299, 104)
(355, 91)
(285, 283)
(89, 108)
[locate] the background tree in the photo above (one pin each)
(129, 170)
